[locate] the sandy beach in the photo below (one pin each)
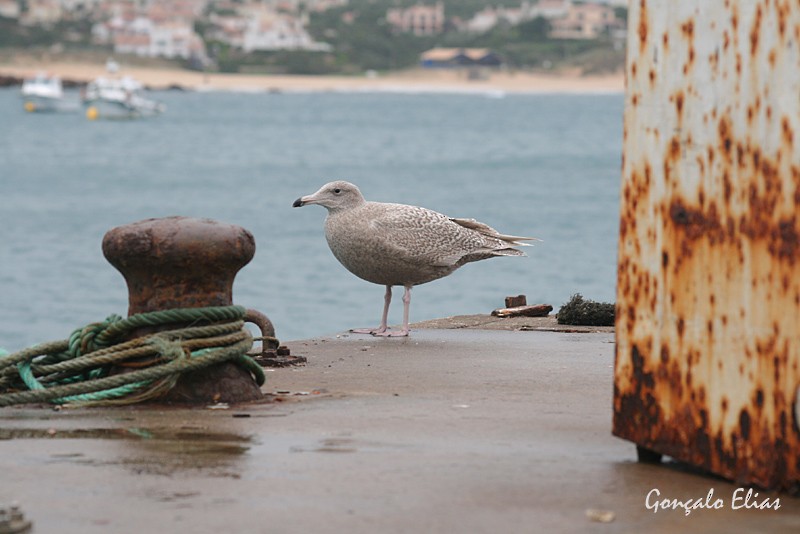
(415, 80)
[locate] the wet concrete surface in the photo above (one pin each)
(451, 430)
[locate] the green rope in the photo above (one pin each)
(77, 370)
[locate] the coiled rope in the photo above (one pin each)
(76, 371)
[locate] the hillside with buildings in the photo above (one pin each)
(325, 36)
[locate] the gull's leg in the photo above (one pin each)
(405, 331)
(387, 299)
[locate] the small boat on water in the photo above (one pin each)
(44, 93)
(118, 98)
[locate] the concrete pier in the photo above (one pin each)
(451, 430)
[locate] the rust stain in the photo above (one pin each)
(679, 98)
(783, 15)
(687, 30)
(642, 28)
(755, 31)
(786, 243)
(725, 136)
(787, 132)
(772, 58)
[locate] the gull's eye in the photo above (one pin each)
(336, 191)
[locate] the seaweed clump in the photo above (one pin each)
(579, 311)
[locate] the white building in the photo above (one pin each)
(489, 17)
(41, 13)
(174, 39)
(568, 20)
(418, 19)
(259, 27)
(551, 9)
(278, 31)
(584, 21)
(9, 9)
(146, 38)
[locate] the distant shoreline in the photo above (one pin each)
(414, 80)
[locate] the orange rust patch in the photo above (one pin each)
(642, 24)
(787, 132)
(755, 31)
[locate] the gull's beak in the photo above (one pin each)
(302, 201)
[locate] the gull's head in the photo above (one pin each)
(334, 196)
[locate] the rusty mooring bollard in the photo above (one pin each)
(181, 262)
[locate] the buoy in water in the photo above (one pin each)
(91, 113)
(30, 107)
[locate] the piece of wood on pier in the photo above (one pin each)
(513, 302)
(537, 310)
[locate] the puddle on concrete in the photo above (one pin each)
(154, 451)
(347, 445)
(130, 433)
(213, 459)
(337, 445)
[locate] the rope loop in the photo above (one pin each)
(84, 340)
(76, 371)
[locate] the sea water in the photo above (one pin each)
(540, 165)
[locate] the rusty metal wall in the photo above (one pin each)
(708, 320)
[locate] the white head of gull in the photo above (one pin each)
(400, 245)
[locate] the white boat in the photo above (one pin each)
(43, 93)
(118, 98)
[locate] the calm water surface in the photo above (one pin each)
(537, 165)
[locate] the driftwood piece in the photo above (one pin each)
(537, 310)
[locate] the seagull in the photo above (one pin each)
(401, 245)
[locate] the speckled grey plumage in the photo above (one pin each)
(401, 245)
